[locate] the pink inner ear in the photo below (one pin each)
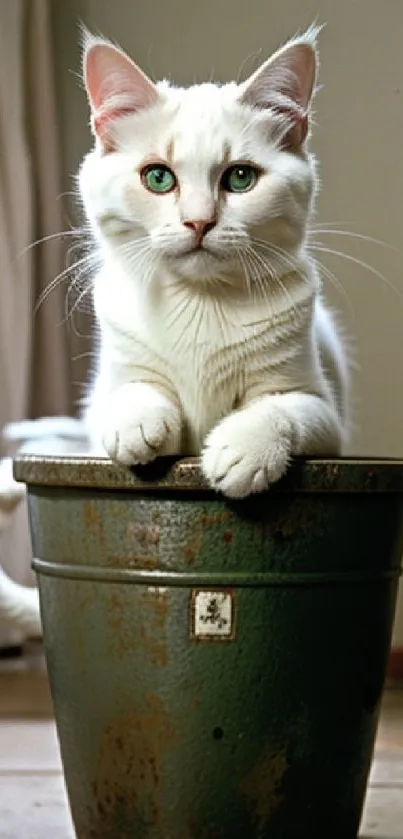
(297, 130)
(285, 84)
(287, 78)
(103, 122)
(302, 66)
(115, 86)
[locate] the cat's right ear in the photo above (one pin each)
(115, 87)
(285, 84)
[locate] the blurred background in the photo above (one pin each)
(44, 133)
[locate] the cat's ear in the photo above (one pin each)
(285, 84)
(115, 87)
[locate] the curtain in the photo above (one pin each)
(35, 351)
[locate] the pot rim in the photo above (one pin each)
(346, 474)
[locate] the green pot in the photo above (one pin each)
(216, 668)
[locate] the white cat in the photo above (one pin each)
(214, 338)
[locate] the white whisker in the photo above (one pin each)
(353, 259)
(63, 234)
(88, 260)
(359, 236)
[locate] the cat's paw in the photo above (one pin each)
(242, 456)
(137, 433)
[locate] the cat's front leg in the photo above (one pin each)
(139, 424)
(252, 447)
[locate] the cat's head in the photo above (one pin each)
(209, 179)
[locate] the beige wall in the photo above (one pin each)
(359, 141)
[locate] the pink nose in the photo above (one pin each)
(200, 226)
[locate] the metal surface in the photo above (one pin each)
(359, 474)
(216, 668)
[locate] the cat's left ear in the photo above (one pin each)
(115, 87)
(285, 84)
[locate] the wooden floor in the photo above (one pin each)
(32, 797)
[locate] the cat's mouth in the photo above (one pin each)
(197, 251)
(199, 248)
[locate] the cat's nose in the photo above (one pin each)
(201, 226)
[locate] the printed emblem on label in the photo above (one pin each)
(213, 615)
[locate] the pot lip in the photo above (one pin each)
(346, 474)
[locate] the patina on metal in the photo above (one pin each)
(216, 667)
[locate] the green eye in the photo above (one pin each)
(158, 178)
(239, 178)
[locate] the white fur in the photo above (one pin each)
(230, 353)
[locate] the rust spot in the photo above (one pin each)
(155, 650)
(154, 614)
(215, 518)
(156, 604)
(116, 610)
(192, 547)
(143, 535)
(262, 785)
(141, 549)
(93, 520)
(138, 624)
(91, 517)
(131, 771)
(228, 536)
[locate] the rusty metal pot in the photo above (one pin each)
(216, 668)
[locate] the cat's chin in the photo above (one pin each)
(196, 264)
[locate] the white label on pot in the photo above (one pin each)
(212, 614)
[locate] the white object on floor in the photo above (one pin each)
(19, 605)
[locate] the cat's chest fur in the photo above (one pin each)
(210, 347)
